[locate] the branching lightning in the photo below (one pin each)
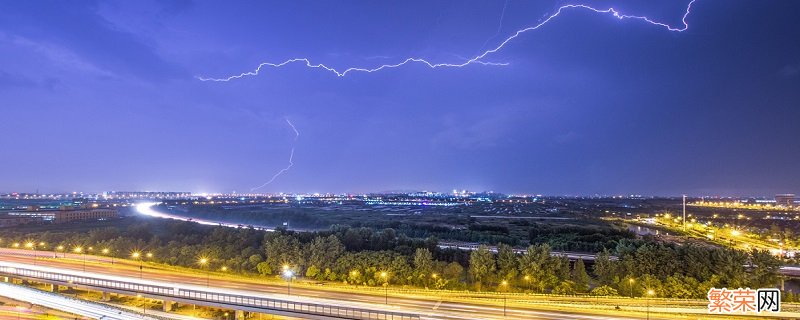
(291, 159)
(478, 59)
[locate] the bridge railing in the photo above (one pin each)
(216, 297)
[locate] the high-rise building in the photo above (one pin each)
(786, 200)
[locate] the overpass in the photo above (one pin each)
(212, 297)
(67, 304)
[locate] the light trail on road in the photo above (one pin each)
(74, 306)
(146, 208)
(459, 307)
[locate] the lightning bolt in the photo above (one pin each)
(499, 26)
(291, 158)
(476, 59)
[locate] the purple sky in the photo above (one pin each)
(101, 96)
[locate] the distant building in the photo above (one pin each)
(145, 195)
(67, 215)
(786, 200)
(13, 221)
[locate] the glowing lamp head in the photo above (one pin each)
(136, 255)
(78, 250)
(650, 292)
(105, 251)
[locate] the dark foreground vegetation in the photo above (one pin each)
(359, 255)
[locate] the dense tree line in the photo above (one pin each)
(590, 238)
(364, 256)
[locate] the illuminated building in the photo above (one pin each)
(786, 200)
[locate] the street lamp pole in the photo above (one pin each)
(288, 274)
(684, 213)
(385, 276)
(505, 297)
(631, 281)
(138, 256)
(83, 255)
(649, 294)
(203, 262)
(32, 246)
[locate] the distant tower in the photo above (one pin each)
(684, 213)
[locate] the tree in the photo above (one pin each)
(481, 265)
(423, 262)
(507, 263)
(764, 269)
(453, 271)
(682, 287)
(580, 277)
(312, 272)
(651, 282)
(282, 249)
(565, 287)
(323, 252)
(604, 269)
(604, 291)
(264, 268)
(535, 265)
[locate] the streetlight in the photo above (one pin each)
(136, 255)
(631, 281)
(203, 262)
(385, 276)
(649, 294)
(32, 246)
(106, 252)
(288, 274)
(80, 250)
(505, 298)
(144, 303)
(528, 282)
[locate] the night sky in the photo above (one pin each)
(98, 96)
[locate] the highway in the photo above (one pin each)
(62, 303)
(460, 306)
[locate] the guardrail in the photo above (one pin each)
(215, 297)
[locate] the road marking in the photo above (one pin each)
(437, 305)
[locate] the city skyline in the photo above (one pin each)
(105, 96)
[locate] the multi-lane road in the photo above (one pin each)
(62, 303)
(428, 306)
